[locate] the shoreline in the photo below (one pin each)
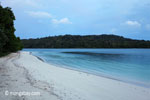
(16, 82)
(138, 83)
(37, 57)
(65, 84)
(86, 48)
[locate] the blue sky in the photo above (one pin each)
(40, 18)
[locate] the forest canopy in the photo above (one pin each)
(8, 41)
(87, 41)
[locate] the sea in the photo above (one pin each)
(127, 65)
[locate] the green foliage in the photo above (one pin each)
(8, 41)
(89, 41)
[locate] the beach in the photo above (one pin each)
(22, 71)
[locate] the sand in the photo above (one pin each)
(24, 72)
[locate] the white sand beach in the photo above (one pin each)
(24, 72)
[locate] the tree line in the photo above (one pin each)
(8, 41)
(87, 41)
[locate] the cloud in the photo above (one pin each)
(113, 30)
(32, 3)
(133, 23)
(61, 21)
(39, 14)
(20, 3)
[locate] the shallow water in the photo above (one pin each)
(130, 65)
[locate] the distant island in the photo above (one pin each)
(87, 41)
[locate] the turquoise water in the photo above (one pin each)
(129, 65)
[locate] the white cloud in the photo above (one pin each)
(39, 14)
(133, 23)
(61, 21)
(20, 3)
(32, 3)
(113, 30)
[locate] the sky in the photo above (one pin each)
(41, 18)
